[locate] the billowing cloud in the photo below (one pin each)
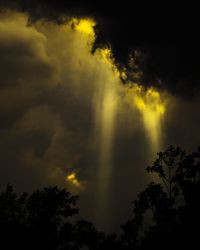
(32, 72)
(167, 37)
(67, 118)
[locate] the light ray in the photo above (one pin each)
(151, 106)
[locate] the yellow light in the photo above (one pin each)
(73, 179)
(152, 108)
(160, 109)
(106, 54)
(149, 100)
(84, 25)
(70, 177)
(123, 75)
(139, 103)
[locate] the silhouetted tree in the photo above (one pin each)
(40, 221)
(35, 221)
(166, 213)
(172, 205)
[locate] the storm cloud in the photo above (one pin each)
(166, 34)
(52, 119)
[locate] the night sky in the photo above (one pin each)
(90, 93)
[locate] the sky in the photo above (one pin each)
(89, 94)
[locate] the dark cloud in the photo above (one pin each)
(166, 34)
(51, 94)
(43, 124)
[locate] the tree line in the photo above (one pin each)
(166, 214)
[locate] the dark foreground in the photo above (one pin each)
(171, 207)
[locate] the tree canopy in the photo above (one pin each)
(166, 214)
(167, 211)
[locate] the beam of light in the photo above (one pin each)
(152, 108)
(72, 179)
(105, 108)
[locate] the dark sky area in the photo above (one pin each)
(68, 119)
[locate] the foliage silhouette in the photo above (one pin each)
(166, 213)
(35, 221)
(171, 206)
(40, 221)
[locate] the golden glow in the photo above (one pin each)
(84, 25)
(84, 78)
(149, 101)
(106, 100)
(105, 55)
(123, 75)
(150, 104)
(73, 179)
